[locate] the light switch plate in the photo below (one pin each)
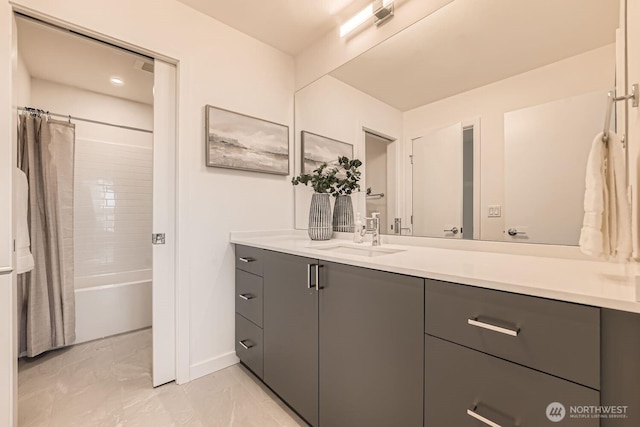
(495, 211)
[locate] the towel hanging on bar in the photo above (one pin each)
(606, 229)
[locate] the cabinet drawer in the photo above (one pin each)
(249, 296)
(249, 346)
(249, 259)
(560, 338)
(458, 379)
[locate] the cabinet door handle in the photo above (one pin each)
(246, 259)
(316, 276)
(495, 328)
(481, 418)
(246, 347)
(246, 297)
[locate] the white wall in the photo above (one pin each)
(588, 72)
(8, 69)
(23, 80)
(633, 122)
(63, 99)
(333, 109)
(223, 67)
(8, 308)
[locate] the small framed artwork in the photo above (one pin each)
(317, 149)
(238, 141)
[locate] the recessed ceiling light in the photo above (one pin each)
(116, 81)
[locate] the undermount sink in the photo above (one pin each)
(366, 251)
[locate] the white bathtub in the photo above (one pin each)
(111, 304)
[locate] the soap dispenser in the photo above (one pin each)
(357, 234)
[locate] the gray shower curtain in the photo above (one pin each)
(46, 155)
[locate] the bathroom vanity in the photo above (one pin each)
(346, 338)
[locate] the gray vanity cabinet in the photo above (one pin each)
(502, 358)
(464, 386)
(290, 322)
(560, 338)
(343, 345)
(249, 344)
(371, 347)
(621, 365)
(249, 307)
(350, 346)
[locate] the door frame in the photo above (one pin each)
(180, 295)
(360, 152)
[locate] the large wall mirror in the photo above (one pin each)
(475, 122)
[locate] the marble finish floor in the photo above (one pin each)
(107, 383)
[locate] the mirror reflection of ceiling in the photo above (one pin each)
(66, 58)
(288, 25)
(446, 53)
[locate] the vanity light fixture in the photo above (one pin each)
(381, 14)
(116, 81)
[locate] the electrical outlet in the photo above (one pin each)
(495, 211)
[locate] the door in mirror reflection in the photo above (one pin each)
(378, 180)
(437, 169)
(546, 150)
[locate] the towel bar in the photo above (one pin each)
(611, 98)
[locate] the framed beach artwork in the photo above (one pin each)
(317, 149)
(238, 141)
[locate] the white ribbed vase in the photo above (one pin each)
(320, 217)
(343, 215)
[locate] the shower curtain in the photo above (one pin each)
(46, 155)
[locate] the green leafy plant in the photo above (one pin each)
(349, 183)
(322, 180)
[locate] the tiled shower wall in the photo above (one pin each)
(113, 206)
(113, 183)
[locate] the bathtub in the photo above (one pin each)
(111, 304)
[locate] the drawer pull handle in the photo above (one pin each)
(495, 328)
(246, 347)
(481, 418)
(247, 259)
(246, 297)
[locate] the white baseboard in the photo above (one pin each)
(212, 365)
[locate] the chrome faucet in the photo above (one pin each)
(374, 230)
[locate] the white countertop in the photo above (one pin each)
(581, 281)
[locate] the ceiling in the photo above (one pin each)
(65, 58)
(471, 43)
(466, 44)
(287, 25)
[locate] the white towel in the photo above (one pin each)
(606, 229)
(24, 259)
